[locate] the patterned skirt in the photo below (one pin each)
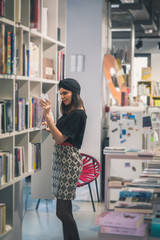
(66, 170)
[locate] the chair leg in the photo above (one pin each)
(38, 203)
(97, 190)
(91, 197)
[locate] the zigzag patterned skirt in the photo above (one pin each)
(66, 170)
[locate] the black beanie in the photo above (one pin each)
(70, 84)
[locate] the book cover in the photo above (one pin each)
(146, 73)
(120, 219)
(48, 70)
(8, 52)
(140, 231)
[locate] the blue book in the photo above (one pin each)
(28, 71)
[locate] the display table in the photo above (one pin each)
(108, 158)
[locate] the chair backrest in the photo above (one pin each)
(90, 171)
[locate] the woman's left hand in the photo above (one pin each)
(46, 105)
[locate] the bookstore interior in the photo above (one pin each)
(32, 62)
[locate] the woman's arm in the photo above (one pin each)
(57, 135)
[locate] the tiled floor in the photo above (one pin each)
(43, 223)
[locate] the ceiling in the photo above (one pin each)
(145, 15)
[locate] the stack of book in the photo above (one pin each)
(115, 182)
(118, 223)
(114, 150)
(151, 173)
(135, 200)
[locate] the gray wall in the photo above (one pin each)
(84, 36)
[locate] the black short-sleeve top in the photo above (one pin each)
(73, 126)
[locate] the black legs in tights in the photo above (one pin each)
(64, 213)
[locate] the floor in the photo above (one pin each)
(43, 224)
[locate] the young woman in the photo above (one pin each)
(67, 164)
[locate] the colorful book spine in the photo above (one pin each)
(12, 53)
(1, 8)
(2, 48)
(8, 52)
(28, 56)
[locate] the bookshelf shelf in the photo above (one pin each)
(19, 85)
(150, 90)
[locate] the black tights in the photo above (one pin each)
(64, 213)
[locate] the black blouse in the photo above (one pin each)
(73, 126)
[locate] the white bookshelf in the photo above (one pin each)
(35, 86)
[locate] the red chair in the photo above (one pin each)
(90, 171)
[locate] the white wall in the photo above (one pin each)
(155, 60)
(84, 36)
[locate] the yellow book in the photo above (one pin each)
(146, 73)
(157, 102)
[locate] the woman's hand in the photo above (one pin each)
(47, 128)
(46, 105)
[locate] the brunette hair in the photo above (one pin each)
(76, 103)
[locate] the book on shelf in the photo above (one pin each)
(2, 218)
(20, 164)
(153, 164)
(141, 231)
(114, 181)
(48, 70)
(35, 112)
(36, 156)
(6, 115)
(2, 48)
(19, 51)
(12, 53)
(145, 183)
(133, 207)
(18, 11)
(151, 173)
(2, 8)
(137, 200)
(8, 52)
(45, 20)
(120, 219)
(114, 150)
(6, 167)
(60, 65)
(35, 14)
(146, 153)
(34, 59)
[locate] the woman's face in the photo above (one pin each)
(66, 96)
